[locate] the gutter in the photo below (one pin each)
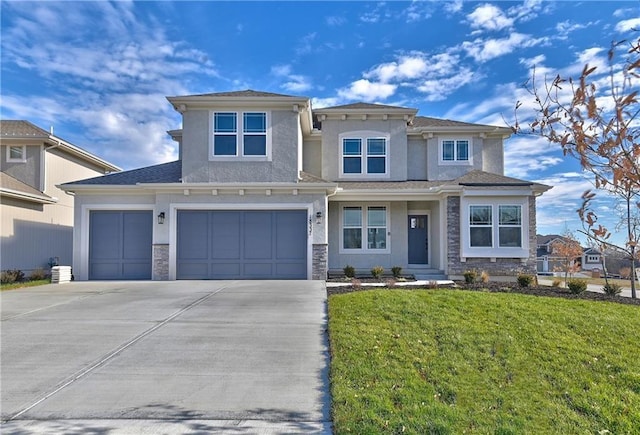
(28, 196)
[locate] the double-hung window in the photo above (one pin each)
(364, 153)
(510, 226)
(484, 230)
(454, 151)
(240, 134)
(364, 229)
(16, 153)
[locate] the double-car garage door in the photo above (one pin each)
(255, 244)
(251, 244)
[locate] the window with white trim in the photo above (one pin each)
(240, 134)
(455, 151)
(364, 153)
(16, 153)
(484, 230)
(364, 228)
(593, 258)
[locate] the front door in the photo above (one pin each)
(418, 239)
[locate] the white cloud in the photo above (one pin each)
(407, 67)
(319, 103)
(489, 17)
(335, 20)
(293, 82)
(437, 89)
(453, 7)
(487, 49)
(417, 11)
(533, 61)
(627, 25)
(305, 45)
(367, 91)
(524, 155)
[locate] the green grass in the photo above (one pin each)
(452, 362)
(15, 285)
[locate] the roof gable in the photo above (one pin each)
(21, 129)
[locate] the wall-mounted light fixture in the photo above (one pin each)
(161, 218)
(319, 217)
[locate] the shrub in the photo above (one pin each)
(577, 286)
(377, 271)
(556, 282)
(391, 283)
(38, 274)
(396, 271)
(470, 276)
(484, 277)
(612, 289)
(9, 276)
(356, 283)
(525, 280)
(349, 271)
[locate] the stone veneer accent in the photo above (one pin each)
(319, 261)
(161, 262)
(500, 267)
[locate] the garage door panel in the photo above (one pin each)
(252, 244)
(120, 244)
(225, 240)
(192, 243)
(103, 244)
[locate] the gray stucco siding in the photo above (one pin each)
(312, 157)
(493, 156)
(199, 166)
(28, 171)
(438, 171)
(417, 161)
(396, 148)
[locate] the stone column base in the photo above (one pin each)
(319, 261)
(161, 262)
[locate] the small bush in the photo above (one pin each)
(625, 272)
(556, 282)
(612, 289)
(470, 276)
(391, 283)
(349, 271)
(10, 276)
(38, 274)
(484, 277)
(577, 286)
(356, 283)
(377, 271)
(525, 280)
(396, 271)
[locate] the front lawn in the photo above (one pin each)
(21, 284)
(452, 361)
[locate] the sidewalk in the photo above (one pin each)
(596, 288)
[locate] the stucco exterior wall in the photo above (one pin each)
(396, 148)
(438, 171)
(493, 156)
(312, 157)
(199, 167)
(417, 160)
(29, 171)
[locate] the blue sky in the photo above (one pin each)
(99, 72)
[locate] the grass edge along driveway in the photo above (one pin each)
(448, 362)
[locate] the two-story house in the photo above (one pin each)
(266, 187)
(36, 216)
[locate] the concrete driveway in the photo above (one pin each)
(165, 357)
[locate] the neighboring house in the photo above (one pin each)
(590, 260)
(37, 217)
(266, 187)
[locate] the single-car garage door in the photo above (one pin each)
(120, 244)
(256, 244)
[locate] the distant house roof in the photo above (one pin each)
(546, 239)
(163, 173)
(14, 188)
(21, 129)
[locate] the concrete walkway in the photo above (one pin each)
(170, 357)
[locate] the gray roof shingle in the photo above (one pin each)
(367, 106)
(20, 128)
(245, 93)
(163, 173)
(426, 121)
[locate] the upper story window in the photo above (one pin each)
(364, 154)
(455, 151)
(593, 258)
(240, 134)
(16, 153)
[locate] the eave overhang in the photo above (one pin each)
(40, 199)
